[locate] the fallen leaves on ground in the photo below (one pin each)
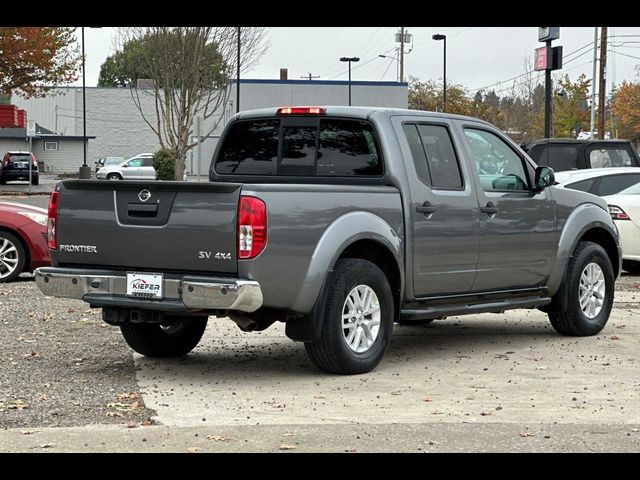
(128, 396)
(614, 337)
(28, 432)
(114, 414)
(193, 449)
(218, 438)
(427, 399)
(284, 446)
(18, 405)
(289, 434)
(131, 424)
(527, 434)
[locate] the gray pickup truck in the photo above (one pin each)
(338, 221)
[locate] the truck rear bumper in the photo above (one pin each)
(109, 288)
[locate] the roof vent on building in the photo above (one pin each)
(284, 74)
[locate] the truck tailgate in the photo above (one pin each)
(153, 226)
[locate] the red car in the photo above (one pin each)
(23, 239)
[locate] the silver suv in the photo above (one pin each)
(139, 167)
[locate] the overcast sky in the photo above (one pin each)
(476, 56)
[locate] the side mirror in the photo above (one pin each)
(126, 165)
(544, 178)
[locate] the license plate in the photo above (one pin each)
(144, 285)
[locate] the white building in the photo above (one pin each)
(120, 130)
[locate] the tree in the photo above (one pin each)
(35, 59)
(428, 96)
(190, 69)
(626, 109)
(570, 110)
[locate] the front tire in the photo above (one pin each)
(590, 287)
(175, 337)
(12, 257)
(114, 176)
(358, 320)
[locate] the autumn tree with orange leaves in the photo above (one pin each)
(626, 110)
(35, 59)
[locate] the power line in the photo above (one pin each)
(626, 55)
(531, 71)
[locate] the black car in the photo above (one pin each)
(568, 154)
(15, 166)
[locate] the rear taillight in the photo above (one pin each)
(252, 227)
(5, 162)
(617, 213)
(34, 162)
(51, 222)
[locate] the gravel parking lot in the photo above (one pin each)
(479, 383)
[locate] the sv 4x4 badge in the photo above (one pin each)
(217, 256)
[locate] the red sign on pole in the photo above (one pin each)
(541, 59)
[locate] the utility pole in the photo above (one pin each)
(593, 81)
(401, 54)
(602, 93)
(309, 77)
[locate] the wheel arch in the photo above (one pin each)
(360, 235)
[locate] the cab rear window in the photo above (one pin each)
(315, 147)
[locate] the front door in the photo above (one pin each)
(517, 238)
(443, 209)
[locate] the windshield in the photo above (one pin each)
(632, 190)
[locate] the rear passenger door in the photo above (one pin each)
(147, 172)
(517, 236)
(444, 208)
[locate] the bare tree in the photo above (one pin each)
(190, 69)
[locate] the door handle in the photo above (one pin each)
(490, 209)
(426, 208)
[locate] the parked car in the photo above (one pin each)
(599, 181)
(338, 221)
(139, 167)
(23, 239)
(568, 154)
(102, 161)
(15, 166)
(624, 207)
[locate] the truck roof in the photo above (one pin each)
(357, 112)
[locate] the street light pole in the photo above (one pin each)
(397, 63)
(238, 76)
(85, 171)
(349, 59)
(439, 36)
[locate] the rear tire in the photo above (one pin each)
(174, 338)
(3, 181)
(114, 176)
(12, 257)
(588, 269)
(631, 266)
(358, 320)
(35, 181)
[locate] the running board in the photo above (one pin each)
(451, 310)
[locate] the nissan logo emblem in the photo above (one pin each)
(144, 195)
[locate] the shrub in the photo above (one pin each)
(164, 161)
